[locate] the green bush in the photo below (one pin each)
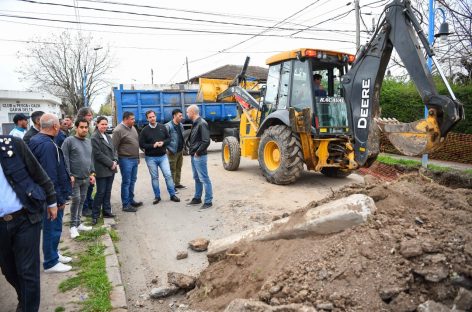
(402, 101)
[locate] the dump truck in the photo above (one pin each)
(334, 126)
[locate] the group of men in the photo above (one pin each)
(41, 168)
(163, 147)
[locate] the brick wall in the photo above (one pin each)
(457, 147)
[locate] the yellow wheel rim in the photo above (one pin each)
(226, 154)
(272, 155)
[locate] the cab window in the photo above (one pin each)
(301, 96)
(282, 102)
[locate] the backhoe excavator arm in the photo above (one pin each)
(400, 30)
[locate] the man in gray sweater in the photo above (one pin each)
(78, 158)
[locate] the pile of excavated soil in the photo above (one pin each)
(416, 247)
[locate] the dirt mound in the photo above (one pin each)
(417, 247)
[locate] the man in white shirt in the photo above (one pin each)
(21, 124)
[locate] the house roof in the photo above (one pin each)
(231, 71)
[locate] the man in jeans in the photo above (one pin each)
(176, 146)
(198, 143)
(126, 142)
(78, 155)
(51, 158)
(153, 139)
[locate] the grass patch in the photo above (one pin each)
(92, 235)
(114, 235)
(92, 273)
(468, 171)
(59, 309)
(70, 283)
(396, 161)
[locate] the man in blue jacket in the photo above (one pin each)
(50, 157)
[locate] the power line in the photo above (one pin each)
(151, 15)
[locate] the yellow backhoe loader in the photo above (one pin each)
(321, 108)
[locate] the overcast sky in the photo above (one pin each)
(162, 33)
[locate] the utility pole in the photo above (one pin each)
(358, 24)
(152, 76)
(188, 76)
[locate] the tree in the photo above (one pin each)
(105, 108)
(58, 66)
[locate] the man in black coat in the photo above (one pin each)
(34, 129)
(26, 192)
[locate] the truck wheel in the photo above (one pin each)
(335, 172)
(280, 155)
(230, 153)
(186, 136)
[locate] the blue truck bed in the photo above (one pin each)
(163, 102)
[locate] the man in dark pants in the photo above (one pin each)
(51, 158)
(26, 192)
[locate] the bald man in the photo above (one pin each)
(51, 158)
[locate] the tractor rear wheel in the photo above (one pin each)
(230, 153)
(280, 155)
(335, 172)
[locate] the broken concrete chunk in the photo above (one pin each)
(199, 244)
(463, 300)
(246, 305)
(432, 273)
(162, 292)
(182, 255)
(432, 306)
(181, 280)
(410, 248)
(388, 293)
(327, 306)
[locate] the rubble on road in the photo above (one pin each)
(181, 280)
(199, 244)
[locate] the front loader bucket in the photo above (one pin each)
(414, 138)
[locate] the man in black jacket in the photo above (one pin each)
(153, 139)
(34, 129)
(198, 142)
(26, 192)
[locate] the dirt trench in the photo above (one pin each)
(416, 247)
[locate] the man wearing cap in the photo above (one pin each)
(21, 124)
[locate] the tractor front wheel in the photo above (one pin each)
(230, 153)
(280, 155)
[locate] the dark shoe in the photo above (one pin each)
(108, 215)
(94, 222)
(180, 186)
(175, 199)
(195, 201)
(206, 205)
(156, 201)
(137, 204)
(129, 208)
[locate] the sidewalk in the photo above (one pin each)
(441, 163)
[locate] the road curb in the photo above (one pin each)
(117, 294)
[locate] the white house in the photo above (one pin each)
(25, 102)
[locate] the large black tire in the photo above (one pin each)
(280, 155)
(335, 172)
(230, 153)
(186, 136)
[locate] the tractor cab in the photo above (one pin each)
(310, 78)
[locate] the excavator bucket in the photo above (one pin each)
(414, 138)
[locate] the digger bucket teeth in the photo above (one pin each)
(414, 138)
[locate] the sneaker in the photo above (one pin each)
(156, 200)
(175, 199)
(180, 186)
(129, 208)
(136, 204)
(64, 259)
(84, 228)
(59, 268)
(74, 232)
(206, 205)
(195, 201)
